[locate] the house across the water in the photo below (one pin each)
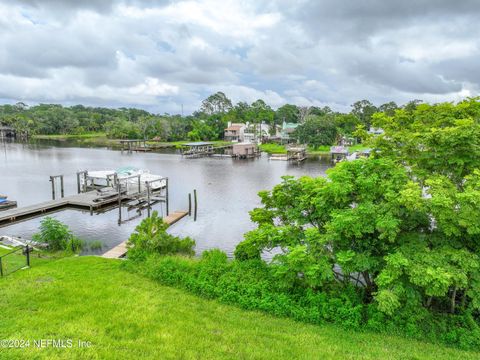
(287, 131)
(235, 132)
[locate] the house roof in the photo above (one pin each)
(290, 125)
(235, 127)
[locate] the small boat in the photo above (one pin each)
(127, 176)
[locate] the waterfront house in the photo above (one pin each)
(235, 132)
(287, 131)
(255, 133)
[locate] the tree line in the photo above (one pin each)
(317, 126)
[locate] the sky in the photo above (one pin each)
(164, 55)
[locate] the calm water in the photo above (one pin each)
(227, 190)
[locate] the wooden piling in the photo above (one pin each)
(148, 199)
(166, 196)
(189, 204)
(196, 204)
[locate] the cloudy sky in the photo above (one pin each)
(159, 55)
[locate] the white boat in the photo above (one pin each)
(126, 176)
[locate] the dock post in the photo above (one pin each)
(85, 177)
(28, 255)
(166, 196)
(139, 185)
(78, 182)
(52, 180)
(189, 204)
(119, 204)
(148, 198)
(196, 203)
(61, 186)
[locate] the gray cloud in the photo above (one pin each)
(161, 54)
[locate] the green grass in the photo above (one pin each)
(126, 316)
(71, 136)
(273, 148)
(17, 260)
(100, 139)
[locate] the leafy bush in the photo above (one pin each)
(58, 236)
(254, 285)
(151, 237)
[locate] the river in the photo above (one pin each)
(227, 189)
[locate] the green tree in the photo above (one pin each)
(217, 103)
(57, 236)
(364, 110)
(288, 113)
(371, 224)
(441, 139)
(317, 131)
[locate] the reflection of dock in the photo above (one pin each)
(121, 249)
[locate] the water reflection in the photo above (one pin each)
(227, 189)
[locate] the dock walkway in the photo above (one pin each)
(89, 201)
(121, 249)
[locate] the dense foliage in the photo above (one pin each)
(317, 130)
(151, 237)
(208, 123)
(255, 285)
(389, 243)
(57, 235)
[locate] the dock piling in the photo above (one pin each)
(166, 196)
(196, 204)
(189, 204)
(148, 199)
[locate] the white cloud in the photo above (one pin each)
(162, 54)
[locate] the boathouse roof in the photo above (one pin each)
(198, 143)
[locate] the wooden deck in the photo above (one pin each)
(121, 249)
(89, 201)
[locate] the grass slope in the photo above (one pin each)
(126, 316)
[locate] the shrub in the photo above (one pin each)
(151, 237)
(58, 236)
(253, 284)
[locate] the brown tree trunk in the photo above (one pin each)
(454, 295)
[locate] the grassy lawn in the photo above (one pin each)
(273, 148)
(100, 139)
(70, 136)
(17, 260)
(126, 316)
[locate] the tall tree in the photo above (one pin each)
(364, 110)
(217, 103)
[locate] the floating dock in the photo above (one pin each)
(121, 249)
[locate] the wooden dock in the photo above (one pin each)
(88, 201)
(121, 249)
